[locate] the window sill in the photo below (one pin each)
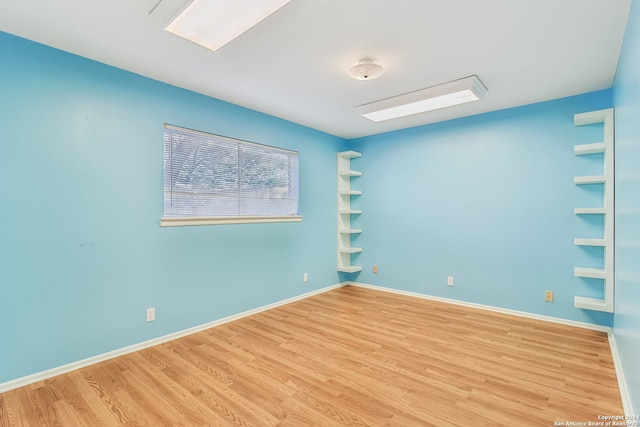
(180, 222)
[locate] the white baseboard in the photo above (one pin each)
(40, 376)
(622, 383)
(551, 319)
(50, 373)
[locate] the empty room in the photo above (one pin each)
(300, 213)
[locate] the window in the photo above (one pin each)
(212, 179)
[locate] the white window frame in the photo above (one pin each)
(168, 186)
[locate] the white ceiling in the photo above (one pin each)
(294, 64)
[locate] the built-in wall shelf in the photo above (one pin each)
(351, 173)
(345, 193)
(606, 241)
(349, 154)
(589, 242)
(580, 150)
(590, 273)
(351, 212)
(590, 303)
(351, 231)
(590, 211)
(351, 250)
(352, 269)
(585, 180)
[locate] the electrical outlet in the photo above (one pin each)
(151, 314)
(375, 268)
(548, 296)
(450, 281)
(305, 277)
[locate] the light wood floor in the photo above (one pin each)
(351, 356)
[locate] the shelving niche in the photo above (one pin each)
(345, 194)
(607, 210)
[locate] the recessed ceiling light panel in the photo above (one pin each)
(214, 23)
(445, 95)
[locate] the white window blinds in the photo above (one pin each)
(209, 176)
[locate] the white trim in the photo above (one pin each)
(625, 396)
(617, 363)
(177, 222)
(40, 376)
(525, 314)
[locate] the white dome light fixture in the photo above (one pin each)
(366, 69)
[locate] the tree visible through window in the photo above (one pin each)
(209, 176)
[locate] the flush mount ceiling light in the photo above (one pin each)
(433, 98)
(214, 23)
(366, 69)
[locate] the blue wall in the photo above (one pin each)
(627, 102)
(488, 200)
(82, 254)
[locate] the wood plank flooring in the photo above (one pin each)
(351, 356)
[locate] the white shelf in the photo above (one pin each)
(590, 273)
(590, 211)
(350, 250)
(351, 231)
(589, 242)
(344, 214)
(596, 179)
(591, 117)
(580, 150)
(606, 274)
(350, 269)
(351, 173)
(591, 304)
(349, 154)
